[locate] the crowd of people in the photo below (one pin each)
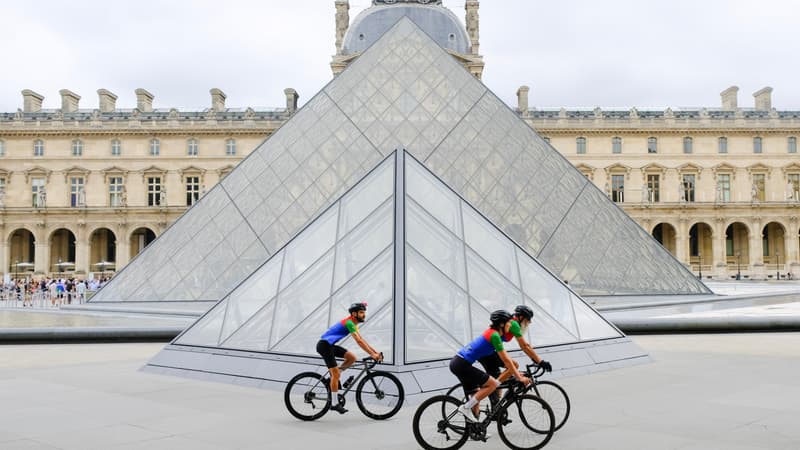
(49, 292)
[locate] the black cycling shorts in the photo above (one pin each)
(330, 352)
(471, 377)
(492, 364)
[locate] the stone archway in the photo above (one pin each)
(666, 235)
(773, 238)
(141, 238)
(701, 254)
(22, 255)
(102, 251)
(62, 251)
(737, 249)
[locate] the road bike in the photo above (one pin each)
(524, 421)
(547, 390)
(379, 394)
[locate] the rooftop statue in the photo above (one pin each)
(392, 2)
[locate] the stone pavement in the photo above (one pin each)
(730, 391)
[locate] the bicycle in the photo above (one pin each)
(524, 421)
(547, 390)
(379, 394)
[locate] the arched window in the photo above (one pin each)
(792, 145)
(116, 147)
(230, 147)
(723, 145)
(191, 147)
(652, 145)
(757, 145)
(77, 147)
(38, 147)
(616, 144)
(581, 145)
(155, 147)
(687, 145)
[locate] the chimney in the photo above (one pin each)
(31, 101)
(108, 101)
(730, 98)
(522, 100)
(144, 100)
(217, 100)
(763, 99)
(291, 99)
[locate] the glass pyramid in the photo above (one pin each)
(457, 268)
(403, 92)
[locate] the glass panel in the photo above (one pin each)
(546, 291)
(302, 297)
(490, 244)
(373, 285)
(545, 330)
(252, 295)
(433, 196)
(488, 287)
(302, 340)
(309, 246)
(435, 243)
(361, 246)
(479, 318)
(425, 340)
(433, 293)
(364, 198)
(590, 323)
(254, 334)
(205, 332)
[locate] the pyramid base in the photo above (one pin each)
(270, 371)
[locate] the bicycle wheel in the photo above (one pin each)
(433, 431)
(307, 396)
(379, 395)
(557, 398)
(530, 424)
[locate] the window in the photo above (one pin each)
(618, 188)
(153, 191)
(723, 145)
(115, 191)
(653, 188)
(652, 145)
(687, 145)
(192, 190)
(757, 145)
(616, 144)
(230, 147)
(792, 145)
(758, 187)
(688, 187)
(2, 148)
(77, 194)
(38, 147)
(116, 147)
(581, 145)
(724, 188)
(38, 194)
(793, 186)
(191, 147)
(155, 147)
(77, 147)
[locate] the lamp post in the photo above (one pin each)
(738, 266)
(16, 270)
(700, 266)
(778, 266)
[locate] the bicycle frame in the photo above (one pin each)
(366, 364)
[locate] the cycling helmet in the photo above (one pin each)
(523, 312)
(360, 306)
(499, 317)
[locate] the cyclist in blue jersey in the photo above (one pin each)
(523, 315)
(478, 384)
(329, 351)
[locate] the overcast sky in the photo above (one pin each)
(613, 53)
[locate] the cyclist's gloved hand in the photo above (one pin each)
(546, 365)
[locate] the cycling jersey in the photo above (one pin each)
(487, 343)
(514, 331)
(339, 330)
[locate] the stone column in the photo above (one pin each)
(756, 252)
(5, 254)
(720, 262)
(342, 22)
(792, 243)
(42, 257)
(123, 248)
(682, 245)
(82, 262)
(473, 25)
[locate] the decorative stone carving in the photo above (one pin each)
(18, 115)
(473, 24)
(668, 114)
(634, 113)
(342, 23)
(173, 114)
(249, 113)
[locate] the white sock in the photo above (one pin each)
(471, 402)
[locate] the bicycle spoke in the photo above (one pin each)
(529, 424)
(433, 431)
(380, 395)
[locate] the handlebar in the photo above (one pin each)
(371, 362)
(534, 370)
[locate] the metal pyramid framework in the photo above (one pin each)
(403, 92)
(431, 268)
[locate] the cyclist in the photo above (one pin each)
(523, 315)
(478, 384)
(329, 351)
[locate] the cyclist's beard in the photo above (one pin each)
(524, 328)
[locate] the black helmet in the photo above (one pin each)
(360, 306)
(500, 316)
(523, 312)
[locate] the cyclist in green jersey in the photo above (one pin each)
(523, 315)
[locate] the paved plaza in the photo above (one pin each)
(703, 391)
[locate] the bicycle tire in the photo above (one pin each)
(383, 387)
(527, 414)
(557, 398)
(457, 424)
(307, 388)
